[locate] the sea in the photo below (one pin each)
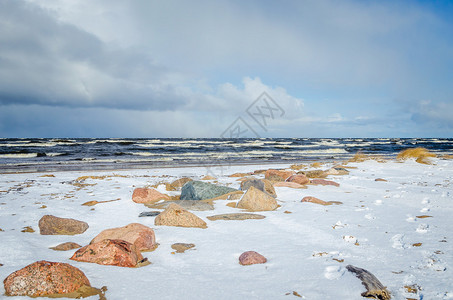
(77, 154)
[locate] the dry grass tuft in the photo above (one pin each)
(361, 157)
(420, 154)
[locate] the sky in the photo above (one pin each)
(294, 68)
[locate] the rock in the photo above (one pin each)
(239, 175)
(319, 201)
(289, 184)
(324, 182)
(175, 215)
(297, 167)
(179, 183)
(110, 252)
(186, 204)
(256, 200)
(251, 258)
(198, 190)
(314, 174)
(44, 278)
(149, 214)
(208, 177)
(140, 235)
(257, 183)
(66, 246)
(299, 178)
(337, 171)
(144, 195)
(28, 229)
(277, 175)
(51, 225)
(269, 188)
(181, 247)
(235, 216)
(380, 179)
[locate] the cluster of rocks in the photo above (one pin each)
(122, 246)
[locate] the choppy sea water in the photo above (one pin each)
(41, 155)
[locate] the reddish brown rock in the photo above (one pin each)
(324, 182)
(66, 246)
(110, 252)
(51, 225)
(289, 184)
(44, 278)
(144, 195)
(299, 178)
(256, 200)
(380, 179)
(277, 175)
(140, 235)
(251, 258)
(175, 215)
(319, 201)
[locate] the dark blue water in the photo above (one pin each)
(31, 155)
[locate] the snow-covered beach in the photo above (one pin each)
(394, 221)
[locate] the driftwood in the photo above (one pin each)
(374, 287)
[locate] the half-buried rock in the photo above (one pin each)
(256, 200)
(251, 258)
(144, 195)
(110, 252)
(261, 184)
(140, 235)
(66, 246)
(51, 225)
(175, 215)
(199, 190)
(44, 278)
(236, 217)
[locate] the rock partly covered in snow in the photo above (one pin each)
(51, 225)
(319, 201)
(290, 185)
(140, 235)
(277, 175)
(144, 195)
(251, 258)
(299, 179)
(179, 183)
(236, 217)
(256, 200)
(324, 182)
(110, 252)
(66, 246)
(199, 190)
(44, 278)
(261, 184)
(175, 215)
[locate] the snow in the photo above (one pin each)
(379, 227)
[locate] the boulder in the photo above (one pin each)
(66, 246)
(251, 258)
(299, 178)
(257, 183)
(277, 175)
(175, 215)
(236, 217)
(314, 174)
(51, 225)
(44, 278)
(140, 235)
(179, 183)
(324, 182)
(256, 200)
(319, 201)
(269, 188)
(199, 190)
(110, 252)
(289, 184)
(144, 195)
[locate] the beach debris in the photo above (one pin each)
(292, 185)
(277, 175)
(251, 258)
(179, 183)
(324, 182)
(421, 155)
(256, 200)
(299, 178)
(319, 201)
(94, 202)
(51, 225)
(199, 190)
(149, 214)
(145, 195)
(44, 278)
(140, 235)
(181, 247)
(110, 252)
(235, 216)
(186, 204)
(28, 229)
(66, 246)
(175, 215)
(373, 286)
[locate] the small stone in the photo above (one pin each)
(66, 246)
(256, 200)
(208, 177)
(319, 201)
(110, 252)
(251, 258)
(235, 216)
(380, 179)
(44, 278)
(181, 247)
(28, 229)
(144, 195)
(175, 215)
(51, 225)
(149, 214)
(324, 182)
(239, 175)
